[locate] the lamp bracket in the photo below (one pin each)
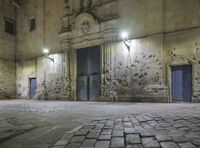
(51, 59)
(127, 43)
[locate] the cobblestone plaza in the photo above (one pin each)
(37, 124)
(99, 73)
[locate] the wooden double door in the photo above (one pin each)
(88, 74)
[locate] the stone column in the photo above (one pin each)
(65, 46)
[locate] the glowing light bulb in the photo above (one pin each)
(45, 50)
(124, 35)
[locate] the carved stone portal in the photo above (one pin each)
(86, 28)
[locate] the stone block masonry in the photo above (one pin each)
(7, 52)
(7, 79)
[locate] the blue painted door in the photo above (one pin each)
(33, 87)
(182, 83)
(88, 72)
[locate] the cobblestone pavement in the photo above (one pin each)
(45, 124)
(139, 131)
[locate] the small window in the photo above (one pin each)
(10, 27)
(32, 24)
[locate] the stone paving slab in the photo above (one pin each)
(13, 131)
(135, 131)
(169, 145)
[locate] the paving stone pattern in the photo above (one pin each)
(45, 124)
(13, 131)
(136, 131)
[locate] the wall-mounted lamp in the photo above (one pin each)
(46, 52)
(124, 36)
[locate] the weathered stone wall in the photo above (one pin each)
(140, 17)
(7, 52)
(7, 79)
(183, 48)
(25, 70)
(52, 81)
(137, 75)
(162, 33)
(179, 15)
(48, 25)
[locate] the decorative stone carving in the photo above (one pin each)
(86, 24)
(66, 8)
(91, 26)
(86, 27)
(86, 4)
(66, 11)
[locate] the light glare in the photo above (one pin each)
(124, 35)
(45, 51)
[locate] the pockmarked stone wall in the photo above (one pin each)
(135, 75)
(162, 34)
(7, 52)
(52, 81)
(25, 70)
(183, 48)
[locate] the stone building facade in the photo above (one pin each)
(162, 35)
(7, 52)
